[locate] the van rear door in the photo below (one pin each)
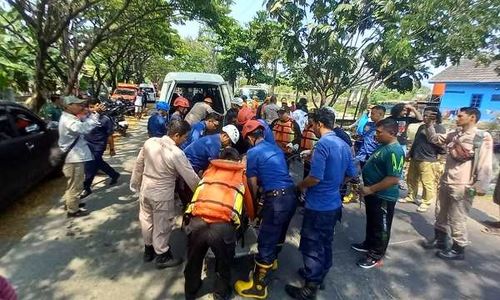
(226, 96)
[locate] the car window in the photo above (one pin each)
(6, 130)
(25, 123)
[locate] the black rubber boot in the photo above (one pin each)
(455, 253)
(307, 292)
(149, 253)
(439, 241)
(167, 260)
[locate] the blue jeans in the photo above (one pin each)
(276, 215)
(316, 238)
(92, 166)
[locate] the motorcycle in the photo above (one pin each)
(117, 110)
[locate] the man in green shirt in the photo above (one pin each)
(381, 175)
(51, 110)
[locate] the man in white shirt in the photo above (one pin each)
(300, 114)
(75, 122)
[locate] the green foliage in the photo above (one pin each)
(343, 45)
(16, 57)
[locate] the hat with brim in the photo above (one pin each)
(73, 100)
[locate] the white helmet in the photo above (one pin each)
(237, 101)
(232, 132)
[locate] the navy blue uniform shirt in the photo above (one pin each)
(202, 151)
(157, 125)
(267, 162)
(331, 161)
(97, 139)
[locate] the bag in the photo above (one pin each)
(57, 156)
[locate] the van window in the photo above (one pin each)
(25, 123)
(197, 92)
(6, 130)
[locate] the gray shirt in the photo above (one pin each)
(270, 112)
(422, 149)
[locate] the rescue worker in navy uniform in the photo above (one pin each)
(157, 123)
(286, 132)
(217, 210)
(266, 168)
(331, 162)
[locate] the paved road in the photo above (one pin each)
(47, 256)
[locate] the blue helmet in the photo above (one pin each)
(162, 106)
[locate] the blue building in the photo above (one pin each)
(469, 84)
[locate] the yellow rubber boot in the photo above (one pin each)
(256, 286)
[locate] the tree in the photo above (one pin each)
(353, 44)
(77, 27)
(16, 56)
(46, 21)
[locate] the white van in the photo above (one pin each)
(195, 87)
(150, 90)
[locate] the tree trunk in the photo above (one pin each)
(40, 89)
(364, 101)
(275, 72)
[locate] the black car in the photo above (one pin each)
(25, 143)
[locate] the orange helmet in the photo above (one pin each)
(250, 126)
(181, 102)
(244, 115)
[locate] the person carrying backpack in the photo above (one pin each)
(467, 172)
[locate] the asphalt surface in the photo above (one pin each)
(47, 256)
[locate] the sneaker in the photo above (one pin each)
(360, 247)
(406, 200)
(85, 194)
(79, 213)
(369, 262)
(423, 207)
(114, 180)
(167, 260)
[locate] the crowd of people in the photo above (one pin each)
(233, 170)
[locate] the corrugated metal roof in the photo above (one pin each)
(470, 71)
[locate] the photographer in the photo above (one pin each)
(425, 166)
(97, 141)
(404, 114)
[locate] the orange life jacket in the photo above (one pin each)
(283, 133)
(221, 193)
(308, 138)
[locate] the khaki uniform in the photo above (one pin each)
(159, 163)
(454, 200)
(75, 174)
